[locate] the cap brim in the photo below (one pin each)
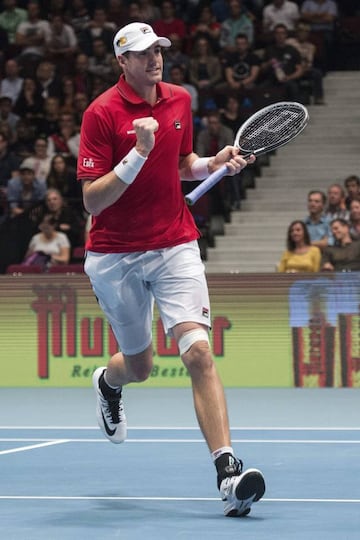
(149, 41)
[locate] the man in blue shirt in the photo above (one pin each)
(316, 222)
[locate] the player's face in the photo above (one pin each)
(143, 68)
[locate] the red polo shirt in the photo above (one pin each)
(152, 213)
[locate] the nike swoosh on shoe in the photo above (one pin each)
(109, 431)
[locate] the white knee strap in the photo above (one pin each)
(189, 338)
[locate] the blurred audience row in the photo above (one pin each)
(56, 56)
(328, 238)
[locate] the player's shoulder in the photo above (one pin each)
(104, 101)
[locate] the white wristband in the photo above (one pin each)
(130, 166)
(199, 168)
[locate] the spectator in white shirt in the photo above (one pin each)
(280, 12)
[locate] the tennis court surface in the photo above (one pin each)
(60, 479)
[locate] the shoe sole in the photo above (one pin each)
(251, 488)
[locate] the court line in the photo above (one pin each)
(184, 428)
(165, 499)
(178, 441)
(32, 446)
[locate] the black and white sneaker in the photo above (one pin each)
(241, 491)
(109, 411)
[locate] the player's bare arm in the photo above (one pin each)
(189, 165)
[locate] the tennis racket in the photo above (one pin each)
(265, 131)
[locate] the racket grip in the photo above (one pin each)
(207, 184)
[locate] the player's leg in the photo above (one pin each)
(238, 488)
(127, 304)
(108, 383)
(182, 297)
(208, 393)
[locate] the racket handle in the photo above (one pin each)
(207, 184)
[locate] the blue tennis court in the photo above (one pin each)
(65, 481)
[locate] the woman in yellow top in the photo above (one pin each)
(300, 255)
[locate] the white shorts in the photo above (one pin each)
(127, 284)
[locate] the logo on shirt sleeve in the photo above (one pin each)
(88, 163)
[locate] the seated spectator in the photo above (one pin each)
(355, 219)
(134, 13)
(48, 122)
(204, 69)
(81, 103)
(174, 55)
(117, 12)
(10, 18)
(316, 222)
(48, 247)
(284, 12)
(29, 104)
(67, 220)
(169, 24)
(238, 22)
(61, 44)
(231, 115)
(206, 26)
(177, 76)
(220, 9)
(300, 255)
(352, 187)
(66, 140)
(47, 80)
(344, 255)
(214, 136)
(115, 71)
(241, 69)
(78, 16)
(62, 177)
(99, 27)
(9, 162)
(6, 113)
(68, 94)
(149, 12)
(30, 37)
(83, 79)
(12, 83)
(23, 144)
(336, 208)
(307, 52)
(100, 61)
(282, 65)
(39, 160)
(322, 15)
(25, 191)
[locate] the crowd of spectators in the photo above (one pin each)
(328, 238)
(56, 56)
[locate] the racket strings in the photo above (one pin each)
(271, 129)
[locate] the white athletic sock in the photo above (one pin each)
(117, 388)
(221, 451)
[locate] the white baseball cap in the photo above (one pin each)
(137, 36)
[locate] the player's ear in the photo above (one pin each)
(121, 59)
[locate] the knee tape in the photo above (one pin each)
(189, 338)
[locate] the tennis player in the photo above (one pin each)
(136, 145)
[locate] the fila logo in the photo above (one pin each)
(88, 162)
(177, 124)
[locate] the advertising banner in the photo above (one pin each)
(268, 330)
